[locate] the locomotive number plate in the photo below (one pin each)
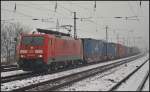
(30, 55)
(31, 51)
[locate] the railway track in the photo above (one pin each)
(140, 87)
(65, 80)
(16, 77)
(128, 76)
(6, 68)
(29, 75)
(10, 69)
(32, 74)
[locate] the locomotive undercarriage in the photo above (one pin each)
(32, 64)
(64, 64)
(38, 65)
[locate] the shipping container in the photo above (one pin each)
(92, 50)
(120, 50)
(104, 54)
(111, 50)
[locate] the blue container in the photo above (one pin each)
(104, 50)
(111, 50)
(92, 49)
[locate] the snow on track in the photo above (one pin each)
(146, 86)
(135, 80)
(25, 82)
(100, 82)
(11, 73)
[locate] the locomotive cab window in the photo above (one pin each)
(33, 40)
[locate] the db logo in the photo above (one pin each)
(31, 47)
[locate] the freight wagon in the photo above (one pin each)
(111, 50)
(92, 50)
(120, 51)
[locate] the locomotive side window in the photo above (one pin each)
(33, 40)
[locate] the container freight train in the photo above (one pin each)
(49, 50)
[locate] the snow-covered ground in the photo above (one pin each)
(25, 82)
(21, 83)
(104, 81)
(146, 86)
(134, 81)
(16, 72)
(11, 73)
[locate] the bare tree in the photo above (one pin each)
(9, 31)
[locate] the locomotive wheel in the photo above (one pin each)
(49, 69)
(54, 66)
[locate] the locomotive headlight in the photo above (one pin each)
(23, 51)
(40, 56)
(38, 51)
(22, 56)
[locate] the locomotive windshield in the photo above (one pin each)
(33, 40)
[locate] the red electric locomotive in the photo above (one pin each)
(43, 51)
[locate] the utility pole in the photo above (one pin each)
(106, 40)
(133, 41)
(57, 25)
(123, 40)
(127, 41)
(132, 38)
(117, 45)
(75, 34)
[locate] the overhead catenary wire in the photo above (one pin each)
(131, 8)
(18, 12)
(59, 5)
(80, 17)
(53, 11)
(26, 15)
(49, 10)
(69, 10)
(46, 9)
(25, 5)
(83, 18)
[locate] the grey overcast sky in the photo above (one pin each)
(93, 22)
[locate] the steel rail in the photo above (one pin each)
(10, 69)
(24, 76)
(6, 66)
(126, 78)
(140, 87)
(65, 80)
(16, 77)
